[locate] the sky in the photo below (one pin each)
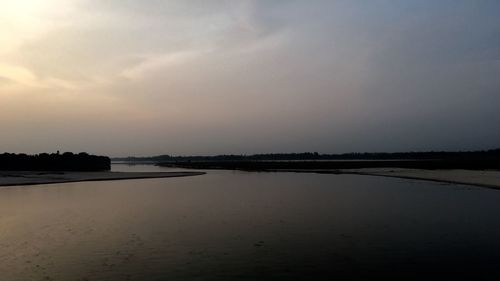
(203, 77)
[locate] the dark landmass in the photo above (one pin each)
(431, 155)
(470, 160)
(54, 162)
(466, 164)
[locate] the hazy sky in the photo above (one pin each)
(145, 77)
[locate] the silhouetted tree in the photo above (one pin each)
(54, 162)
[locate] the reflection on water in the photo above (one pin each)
(249, 226)
(117, 167)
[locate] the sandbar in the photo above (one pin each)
(16, 178)
(482, 178)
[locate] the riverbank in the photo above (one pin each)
(16, 178)
(470, 172)
(481, 178)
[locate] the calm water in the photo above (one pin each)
(249, 226)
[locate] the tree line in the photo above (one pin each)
(67, 161)
(493, 154)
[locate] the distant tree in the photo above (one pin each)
(54, 162)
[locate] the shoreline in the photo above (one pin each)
(426, 164)
(453, 171)
(432, 180)
(26, 178)
(479, 178)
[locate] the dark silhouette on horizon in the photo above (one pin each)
(475, 160)
(428, 155)
(67, 161)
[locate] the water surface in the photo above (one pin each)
(230, 225)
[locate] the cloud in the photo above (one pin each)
(21, 77)
(24, 20)
(159, 62)
(5, 80)
(106, 38)
(262, 76)
(18, 74)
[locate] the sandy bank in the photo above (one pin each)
(483, 178)
(13, 178)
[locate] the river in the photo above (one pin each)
(231, 225)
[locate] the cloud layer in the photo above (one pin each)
(125, 77)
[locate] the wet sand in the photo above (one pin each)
(15, 178)
(471, 172)
(483, 178)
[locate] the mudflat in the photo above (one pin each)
(484, 178)
(13, 178)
